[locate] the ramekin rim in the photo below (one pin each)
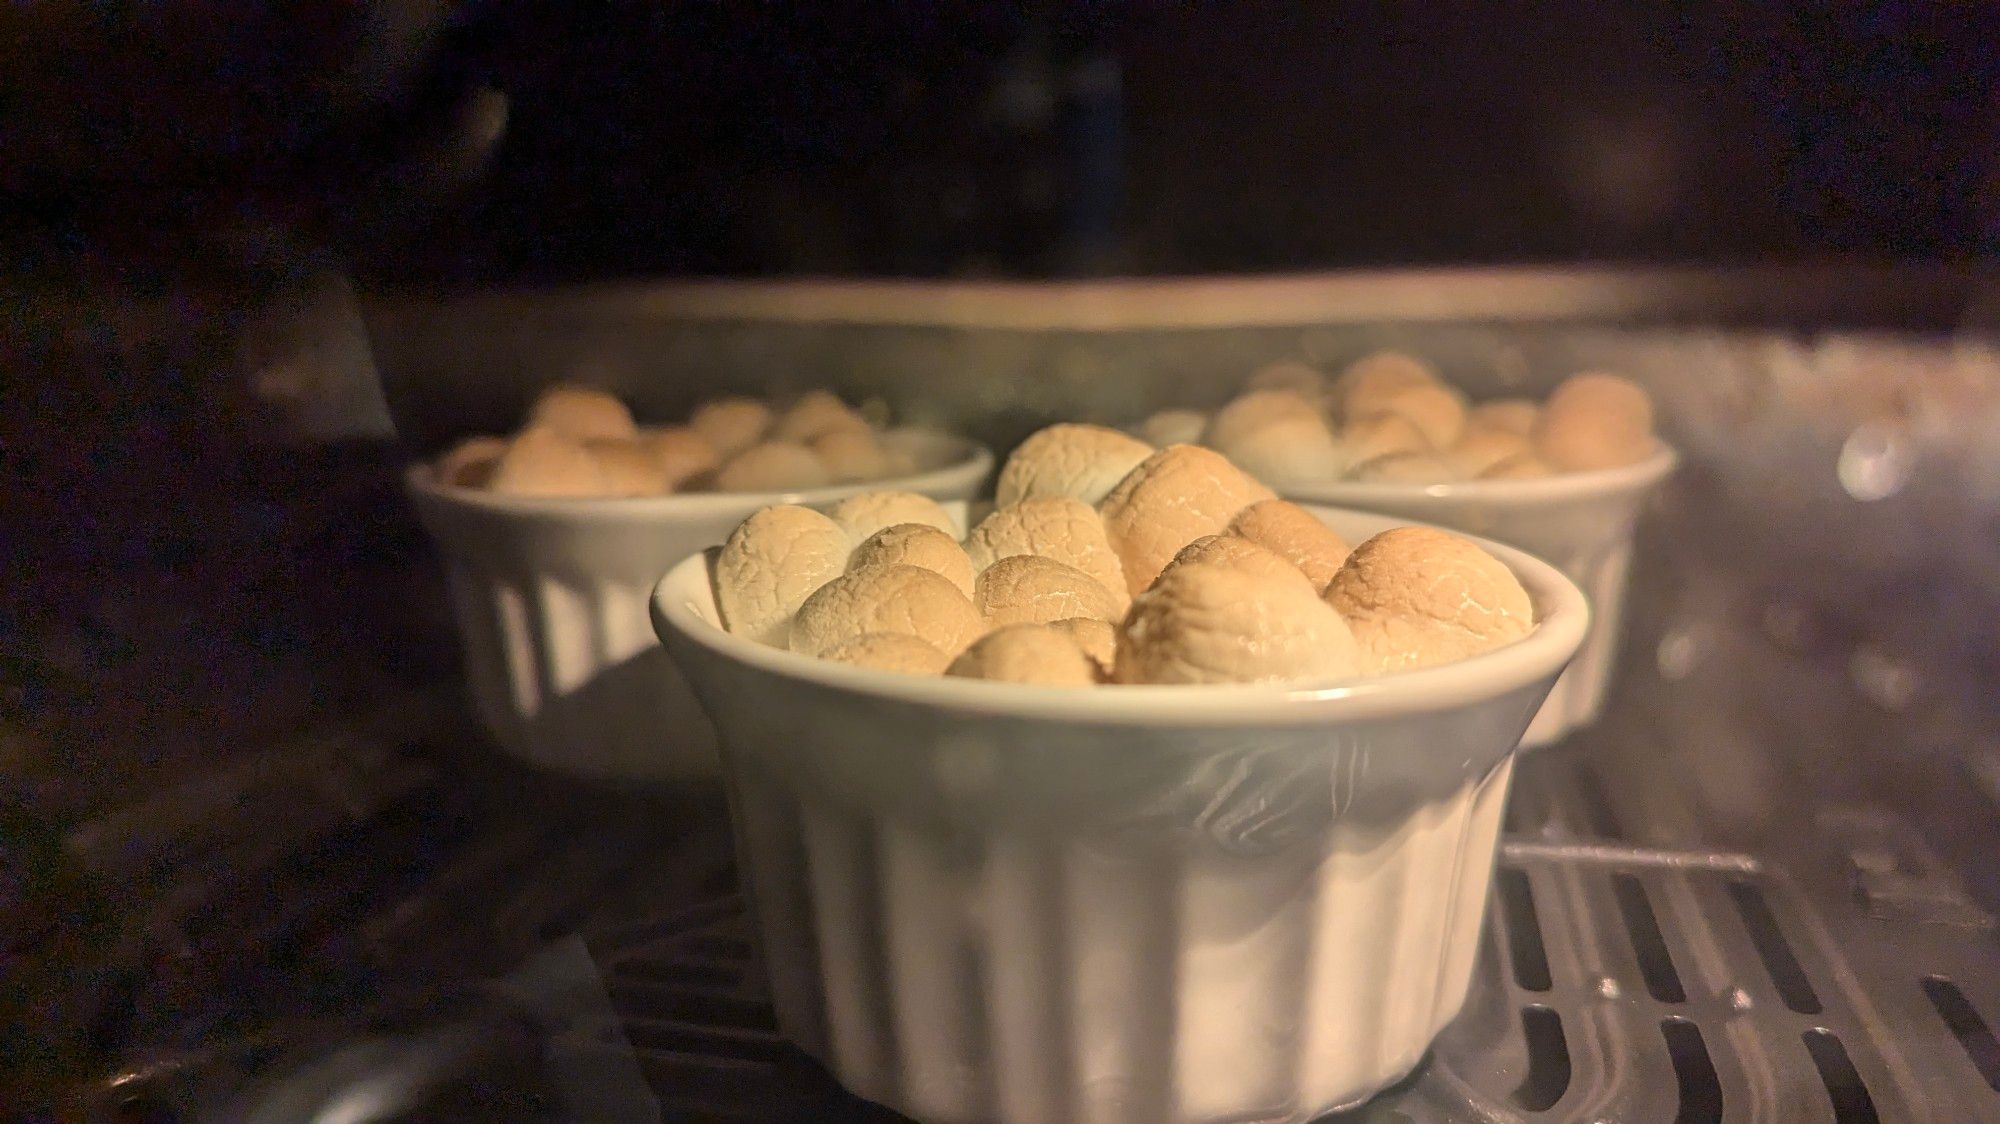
(1557, 488)
(971, 463)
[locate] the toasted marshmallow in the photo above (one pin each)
(853, 455)
(1524, 467)
(1406, 468)
(1438, 411)
(542, 462)
(1276, 435)
(1508, 415)
(1294, 534)
(1069, 531)
(773, 466)
(916, 544)
(906, 599)
(1029, 589)
(1371, 377)
(1381, 436)
(581, 413)
(1237, 553)
(1481, 448)
(629, 468)
(1174, 427)
(869, 512)
(1176, 496)
(1246, 413)
(813, 416)
(1083, 462)
(1026, 653)
(891, 651)
(1289, 374)
(1215, 624)
(1595, 421)
(682, 454)
(1417, 597)
(731, 424)
(471, 462)
(770, 564)
(1098, 639)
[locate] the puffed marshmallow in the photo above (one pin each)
(1417, 597)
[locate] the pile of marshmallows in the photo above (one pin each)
(1109, 561)
(579, 442)
(1389, 417)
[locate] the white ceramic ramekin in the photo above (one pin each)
(1580, 521)
(1127, 905)
(550, 597)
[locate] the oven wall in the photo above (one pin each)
(1815, 590)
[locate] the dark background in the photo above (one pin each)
(988, 139)
(172, 173)
(181, 581)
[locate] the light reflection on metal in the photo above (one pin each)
(1883, 676)
(1678, 653)
(1876, 461)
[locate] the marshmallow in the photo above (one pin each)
(682, 454)
(582, 414)
(1380, 436)
(1294, 534)
(898, 598)
(891, 651)
(1508, 415)
(1237, 553)
(1026, 653)
(1524, 467)
(1083, 462)
(471, 462)
(1067, 530)
(869, 512)
(1595, 421)
(1373, 376)
(1275, 435)
(1029, 589)
(1438, 411)
(916, 544)
(814, 415)
(770, 564)
(1417, 597)
(1288, 374)
(629, 468)
(772, 467)
(1174, 427)
(1213, 624)
(1480, 449)
(731, 424)
(1406, 468)
(1246, 413)
(853, 455)
(1098, 639)
(542, 462)
(1175, 496)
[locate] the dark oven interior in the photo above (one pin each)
(258, 859)
(1759, 888)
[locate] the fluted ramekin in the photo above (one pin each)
(1580, 521)
(1125, 905)
(550, 598)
